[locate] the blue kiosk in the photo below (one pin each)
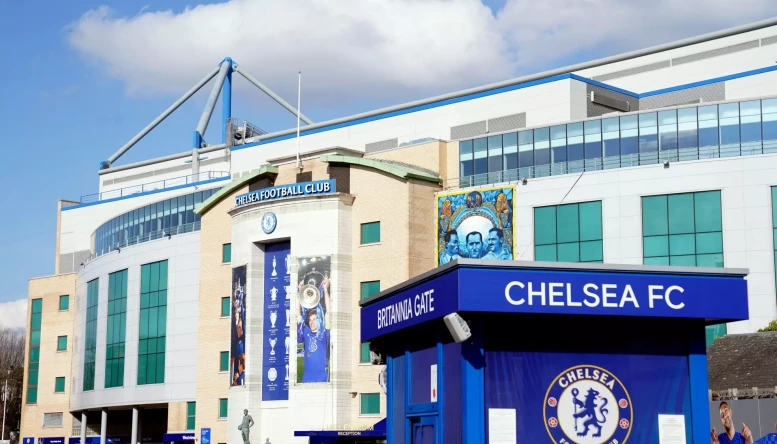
(556, 353)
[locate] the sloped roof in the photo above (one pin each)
(231, 187)
(400, 170)
(743, 361)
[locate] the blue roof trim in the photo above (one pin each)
(752, 72)
(503, 90)
(161, 190)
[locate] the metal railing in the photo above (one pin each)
(622, 161)
(147, 237)
(157, 185)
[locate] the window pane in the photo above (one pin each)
(510, 150)
(222, 408)
(575, 142)
(542, 146)
(593, 139)
(225, 306)
(495, 153)
(591, 251)
(369, 288)
(62, 343)
(681, 219)
(226, 253)
(590, 220)
(657, 260)
(545, 253)
(365, 352)
(655, 246)
(568, 223)
(654, 215)
(707, 211)
(64, 302)
(709, 260)
(481, 156)
(465, 158)
(370, 233)
(525, 149)
(59, 384)
(683, 261)
(569, 252)
(682, 244)
(545, 225)
(709, 243)
(370, 404)
(224, 361)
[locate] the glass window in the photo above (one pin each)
(59, 384)
(223, 408)
(569, 233)
(525, 149)
(370, 404)
(494, 154)
(510, 150)
(729, 123)
(774, 228)
(36, 311)
(558, 144)
(225, 306)
(542, 146)
(687, 127)
(224, 361)
(226, 253)
(465, 158)
(364, 356)
(61, 343)
(593, 139)
(481, 155)
(369, 288)
(575, 142)
(629, 135)
(769, 112)
(191, 413)
(90, 336)
(370, 233)
(153, 323)
(610, 137)
(667, 130)
(64, 302)
(750, 121)
(648, 139)
(708, 125)
(116, 329)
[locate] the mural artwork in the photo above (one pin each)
(237, 355)
(313, 323)
(475, 224)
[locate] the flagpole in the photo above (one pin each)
(299, 100)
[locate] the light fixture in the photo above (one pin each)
(118, 249)
(524, 180)
(353, 394)
(666, 164)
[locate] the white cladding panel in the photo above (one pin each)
(745, 184)
(183, 255)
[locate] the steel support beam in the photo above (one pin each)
(129, 166)
(210, 105)
(226, 101)
(158, 120)
(274, 96)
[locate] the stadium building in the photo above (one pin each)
(213, 295)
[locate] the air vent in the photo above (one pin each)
(609, 102)
(469, 130)
(52, 420)
(507, 123)
(383, 145)
(632, 71)
(715, 53)
(769, 40)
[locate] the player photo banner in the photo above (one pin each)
(311, 309)
(237, 321)
(475, 224)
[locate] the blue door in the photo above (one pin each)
(423, 429)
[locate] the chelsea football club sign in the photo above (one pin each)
(587, 404)
(317, 187)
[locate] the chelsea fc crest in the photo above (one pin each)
(587, 404)
(269, 222)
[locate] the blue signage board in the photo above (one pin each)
(602, 293)
(205, 436)
(282, 191)
(563, 292)
(178, 437)
(96, 440)
(28, 440)
(57, 440)
(275, 334)
(412, 306)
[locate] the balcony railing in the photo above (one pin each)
(622, 161)
(157, 185)
(147, 237)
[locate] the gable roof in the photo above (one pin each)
(403, 171)
(743, 361)
(231, 187)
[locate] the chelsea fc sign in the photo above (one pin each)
(587, 404)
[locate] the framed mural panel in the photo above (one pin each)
(313, 324)
(475, 224)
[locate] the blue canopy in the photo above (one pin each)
(376, 431)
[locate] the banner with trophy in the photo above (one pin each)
(237, 353)
(277, 322)
(311, 310)
(475, 224)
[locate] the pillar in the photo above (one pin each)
(134, 433)
(195, 165)
(103, 426)
(83, 427)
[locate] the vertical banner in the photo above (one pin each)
(311, 309)
(277, 304)
(237, 361)
(475, 224)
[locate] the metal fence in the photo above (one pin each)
(157, 185)
(146, 237)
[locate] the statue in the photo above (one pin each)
(245, 426)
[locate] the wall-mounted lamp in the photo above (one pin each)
(353, 394)
(666, 164)
(118, 249)
(524, 180)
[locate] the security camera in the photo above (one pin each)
(458, 327)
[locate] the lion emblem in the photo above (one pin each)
(589, 412)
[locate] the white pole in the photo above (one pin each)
(299, 103)
(5, 400)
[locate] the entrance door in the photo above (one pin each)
(423, 430)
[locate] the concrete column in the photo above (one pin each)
(134, 438)
(140, 426)
(104, 426)
(83, 427)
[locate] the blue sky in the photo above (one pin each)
(76, 85)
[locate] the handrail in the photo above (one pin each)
(156, 185)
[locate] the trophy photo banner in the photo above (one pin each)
(277, 322)
(237, 321)
(311, 311)
(476, 224)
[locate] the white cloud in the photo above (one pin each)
(378, 50)
(13, 314)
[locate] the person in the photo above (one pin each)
(245, 426)
(451, 251)
(315, 340)
(474, 244)
(730, 435)
(322, 311)
(495, 244)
